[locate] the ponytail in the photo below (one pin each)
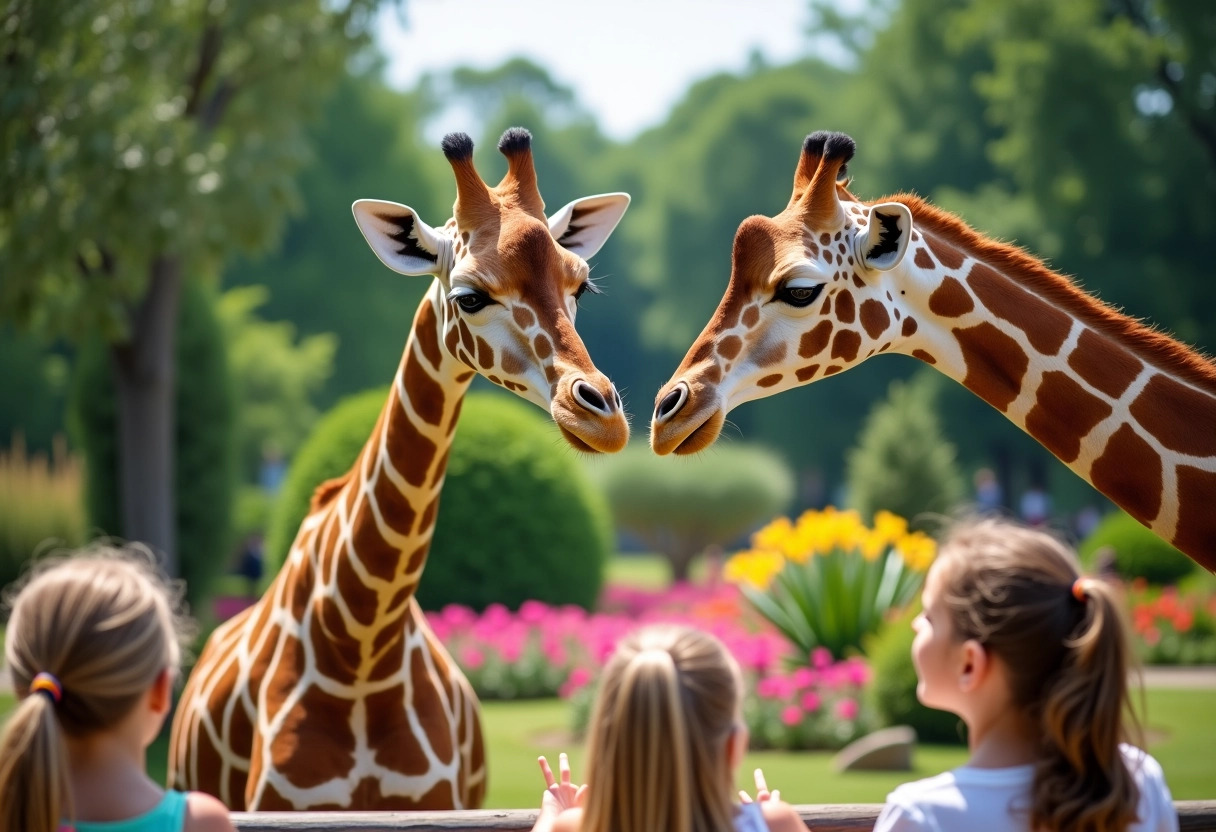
(657, 748)
(1082, 781)
(33, 769)
(1064, 645)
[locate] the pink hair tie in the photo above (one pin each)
(49, 685)
(1080, 589)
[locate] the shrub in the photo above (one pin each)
(892, 689)
(902, 463)
(827, 581)
(1138, 551)
(40, 505)
(203, 441)
(681, 505)
(518, 519)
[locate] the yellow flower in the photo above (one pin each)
(754, 567)
(918, 550)
(873, 544)
(891, 527)
(773, 536)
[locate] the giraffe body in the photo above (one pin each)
(831, 281)
(332, 691)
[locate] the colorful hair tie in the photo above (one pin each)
(1080, 589)
(49, 685)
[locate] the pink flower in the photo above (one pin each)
(472, 657)
(847, 709)
(804, 677)
(791, 715)
(821, 657)
(811, 702)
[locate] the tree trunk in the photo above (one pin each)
(144, 390)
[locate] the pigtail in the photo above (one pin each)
(34, 787)
(1082, 781)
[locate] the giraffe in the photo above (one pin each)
(332, 691)
(831, 281)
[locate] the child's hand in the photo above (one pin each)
(560, 794)
(762, 792)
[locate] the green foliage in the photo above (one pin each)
(274, 377)
(902, 463)
(828, 581)
(40, 505)
(35, 388)
(892, 688)
(679, 506)
(132, 130)
(517, 520)
(1138, 551)
(203, 441)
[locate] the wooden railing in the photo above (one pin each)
(1193, 816)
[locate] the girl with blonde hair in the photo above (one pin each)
(92, 649)
(665, 740)
(1034, 658)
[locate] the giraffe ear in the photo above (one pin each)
(398, 236)
(882, 245)
(582, 226)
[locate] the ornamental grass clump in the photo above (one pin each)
(828, 580)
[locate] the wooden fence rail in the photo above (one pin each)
(1193, 816)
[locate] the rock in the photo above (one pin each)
(889, 749)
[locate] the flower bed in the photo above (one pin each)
(540, 650)
(1172, 627)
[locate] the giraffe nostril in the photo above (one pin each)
(671, 403)
(590, 398)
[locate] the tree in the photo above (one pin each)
(143, 143)
(275, 379)
(681, 506)
(902, 463)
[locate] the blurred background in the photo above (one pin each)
(186, 303)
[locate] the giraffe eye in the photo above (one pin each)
(587, 286)
(799, 296)
(470, 300)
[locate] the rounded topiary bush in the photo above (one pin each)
(1138, 551)
(892, 688)
(518, 518)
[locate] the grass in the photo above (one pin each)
(1180, 725)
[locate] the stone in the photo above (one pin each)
(889, 749)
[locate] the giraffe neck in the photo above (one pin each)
(1130, 410)
(372, 528)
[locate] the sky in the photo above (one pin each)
(628, 61)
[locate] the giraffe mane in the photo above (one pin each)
(327, 490)
(1061, 291)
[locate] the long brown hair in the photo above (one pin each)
(105, 626)
(667, 707)
(1015, 590)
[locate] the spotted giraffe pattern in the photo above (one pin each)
(1128, 409)
(332, 691)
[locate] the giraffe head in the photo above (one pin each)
(812, 292)
(511, 280)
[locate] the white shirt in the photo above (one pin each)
(969, 798)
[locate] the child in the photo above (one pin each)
(1033, 658)
(92, 649)
(666, 739)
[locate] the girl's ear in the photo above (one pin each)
(736, 746)
(975, 664)
(162, 692)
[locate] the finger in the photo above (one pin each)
(563, 764)
(548, 772)
(744, 797)
(761, 785)
(581, 795)
(775, 794)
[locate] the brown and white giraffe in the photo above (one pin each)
(332, 691)
(831, 281)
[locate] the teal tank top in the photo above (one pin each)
(168, 816)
